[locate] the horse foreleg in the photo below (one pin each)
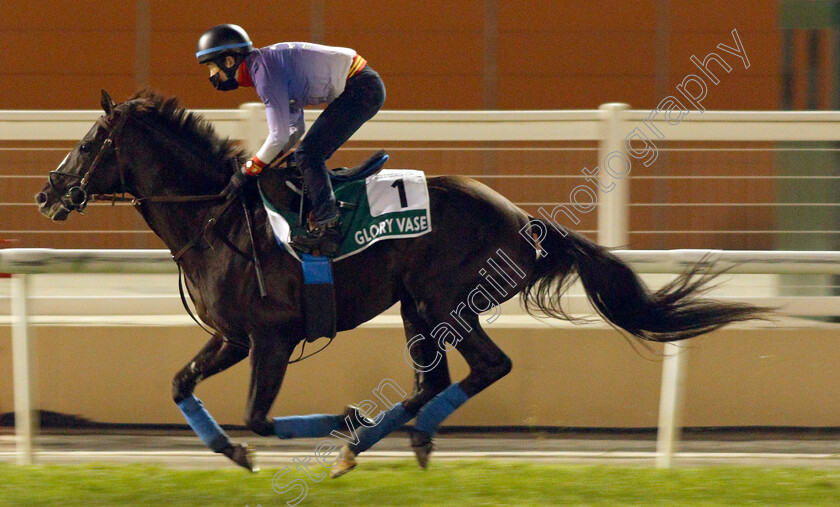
(269, 360)
(319, 425)
(214, 357)
(267, 375)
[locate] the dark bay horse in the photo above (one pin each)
(175, 166)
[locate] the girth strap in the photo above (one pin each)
(195, 319)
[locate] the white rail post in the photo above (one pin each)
(26, 424)
(613, 205)
(670, 402)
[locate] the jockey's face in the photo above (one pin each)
(214, 69)
(221, 80)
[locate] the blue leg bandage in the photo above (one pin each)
(307, 426)
(203, 424)
(433, 413)
(390, 420)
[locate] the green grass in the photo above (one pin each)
(402, 483)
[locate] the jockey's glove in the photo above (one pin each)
(241, 174)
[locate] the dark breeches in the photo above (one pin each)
(362, 98)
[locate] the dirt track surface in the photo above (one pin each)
(181, 449)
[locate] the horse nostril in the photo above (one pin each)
(40, 198)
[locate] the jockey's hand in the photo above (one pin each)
(236, 182)
(241, 174)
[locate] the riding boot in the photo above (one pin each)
(324, 238)
(323, 235)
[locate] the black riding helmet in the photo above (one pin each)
(221, 41)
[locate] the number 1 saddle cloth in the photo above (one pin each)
(391, 204)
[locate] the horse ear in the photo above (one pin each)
(107, 103)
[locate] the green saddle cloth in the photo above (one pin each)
(391, 204)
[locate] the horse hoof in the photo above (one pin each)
(423, 445)
(357, 418)
(345, 464)
(242, 455)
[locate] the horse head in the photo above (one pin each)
(146, 147)
(88, 168)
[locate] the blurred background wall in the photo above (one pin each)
(437, 54)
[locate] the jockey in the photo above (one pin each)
(288, 77)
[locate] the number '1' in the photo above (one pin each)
(400, 186)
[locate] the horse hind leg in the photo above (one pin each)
(487, 365)
(216, 356)
(431, 376)
(431, 368)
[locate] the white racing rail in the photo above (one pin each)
(609, 126)
(24, 263)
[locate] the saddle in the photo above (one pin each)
(319, 305)
(369, 167)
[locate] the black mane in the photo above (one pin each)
(190, 127)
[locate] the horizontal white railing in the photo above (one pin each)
(24, 263)
(609, 126)
(49, 260)
(587, 124)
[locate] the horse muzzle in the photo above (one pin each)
(57, 211)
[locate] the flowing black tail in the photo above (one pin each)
(674, 312)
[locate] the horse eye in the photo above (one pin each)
(85, 148)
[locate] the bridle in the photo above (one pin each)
(76, 198)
